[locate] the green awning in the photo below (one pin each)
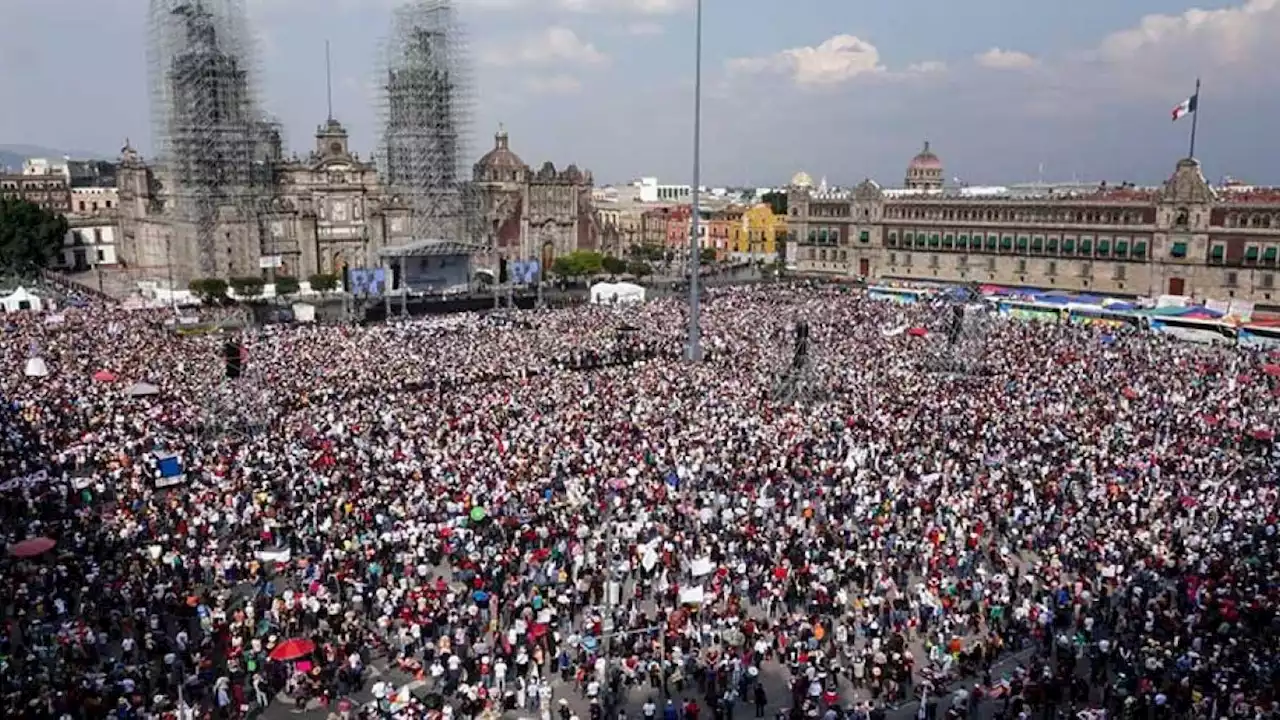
(1140, 249)
(1086, 247)
(1104, 247)
(1251, 253)
(813, 235)
(835, 235)
(991, 242)
(1068, 245)
(920, 240)
(1122, 247)
(1179, 250)
(948, 240)
(1269, 255)
(1218, 252)
(908, 238)
(864, 236)
(964, 241)
(933, 241)
(1037, 243)
(1022, 243)
(1053, 244)
(1006, 242)
(822, 234)
(893, 238)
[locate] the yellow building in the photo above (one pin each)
(756, 236)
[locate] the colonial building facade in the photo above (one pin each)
(329, 212)
(529, 214)
(1182, 238)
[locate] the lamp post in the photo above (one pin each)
(693, 351)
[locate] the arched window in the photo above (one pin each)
(1182, 218)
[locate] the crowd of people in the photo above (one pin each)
(550, 514)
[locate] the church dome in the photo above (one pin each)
(500, 160)
(925, 160)
(801, 180)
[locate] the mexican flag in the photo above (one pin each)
(1186, 107)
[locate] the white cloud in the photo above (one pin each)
(552, 46)
(553, 85)
(836, 60)
(645, 29)
(637, 7)
(999, 59)
(928, 67)
(1228, 35)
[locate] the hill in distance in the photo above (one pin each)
(12, 156)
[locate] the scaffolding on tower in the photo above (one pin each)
(214, 147)
(426, 107)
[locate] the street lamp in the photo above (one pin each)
(693, 352)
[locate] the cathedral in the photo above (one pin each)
(529, 214)
(330, 212)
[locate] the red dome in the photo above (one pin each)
(926, 160)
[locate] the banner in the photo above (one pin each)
(35, 479)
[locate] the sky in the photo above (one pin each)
(1005, 90)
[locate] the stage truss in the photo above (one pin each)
(798, 381)
(964, 323)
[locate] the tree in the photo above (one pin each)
(209, 290)
(777, 202)
(286, 285)
(248, 286)
(323, 282)
(30, 237)
(707, 255)
(613, 265)
(639, 268)
(578, 263)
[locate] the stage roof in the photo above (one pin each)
(425, 248)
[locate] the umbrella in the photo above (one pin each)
(32, 547)
(105, 376)
(293, 649)
(1271, 369)
(917, 332)
(477, 514)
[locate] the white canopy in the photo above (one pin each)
(616, 293)
(21, 299)
(141, 389)
(36, 368)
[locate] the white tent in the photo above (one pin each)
(142, 389)
(36, 368)
(20, 299)
(616, 293)
(304, 313)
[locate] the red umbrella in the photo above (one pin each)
(1262, 434)
(917, 332)
(1271, 369)
(293, 649)
(104, 376)
(32, 547)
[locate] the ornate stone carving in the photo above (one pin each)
(1187, 185)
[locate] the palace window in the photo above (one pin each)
(1051, 268)
(1269, 256)
(991, 242)
(1104, 247)
(1218, 253)
(1022, 243)
(1140, 249)
(1251, 254)
(1037, 243)
(1179, 250)
(1118, 272)
(1231, 279)
(1086, 246)
(1122, 248)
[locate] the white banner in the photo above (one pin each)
(29, 481)
(277, 555)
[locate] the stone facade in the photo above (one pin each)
(529, 214)
(326, 213)
(329, 212)
(1183, 238)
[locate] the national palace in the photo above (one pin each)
(1184, 237)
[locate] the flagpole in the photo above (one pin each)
(1195, 115)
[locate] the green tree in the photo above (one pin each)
(777, 201)
(708, 255)
(578, 263)
(30, 237)
(323, 282)
(209, 290)
(613, 265)
(639, 268)
(286, 285)
(248, 286)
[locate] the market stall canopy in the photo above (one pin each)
(104, 376)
